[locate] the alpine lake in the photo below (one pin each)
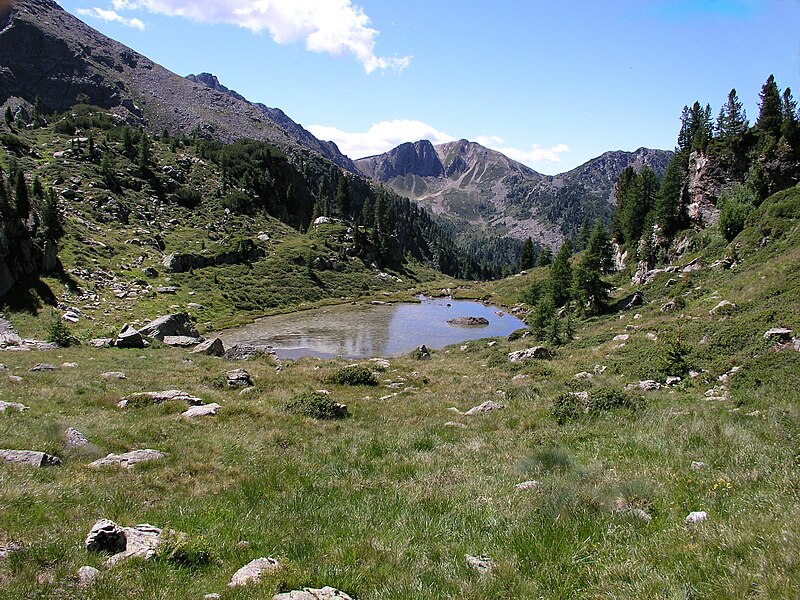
(369, 330)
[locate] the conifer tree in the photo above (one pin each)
(732, 120)
(526, 258)
(584, 233)
(8, 116)
(789, 126)
(561, 275)
(22, 203)
(770, 116)
(622, 193)
(145, 157)
(670, 211)
(52, 227)
(5, 204)
(545, 257)
(590, 291)
(342, 198)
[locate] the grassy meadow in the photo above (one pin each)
(387, 502)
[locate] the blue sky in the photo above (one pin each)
(550, 84)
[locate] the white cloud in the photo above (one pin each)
(110, 16)
(332, 26)
(535, 154)
(381, 137)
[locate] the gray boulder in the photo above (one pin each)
(182, 341)
(128, 459)
(29, 457)
(87, 575)
(9, 406)
(128, 337)
(238, 378)
(325, 593)
(252, 571)
(483, 408)
(106, 536)
(537, 352)
(213, 347)
(202, 410)
(482, 564)
(143, 398)
(178, 324)
(247, 351)
(74, 439)
(780, 335)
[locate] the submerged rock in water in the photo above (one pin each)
(469, 321)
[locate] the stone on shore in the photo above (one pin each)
(178, 324)
(213, 347)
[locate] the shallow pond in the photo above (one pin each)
(365, 330)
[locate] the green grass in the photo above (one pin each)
(387, 502)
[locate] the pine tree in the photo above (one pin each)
(561, 275)
(584, 233)
(590, 291)
(545, 257)
(145, 156)
(622, 195)
(526, 258)
(52, 227)
(732, 121)
(342, 198)
(789, 126)
(5, 204)
(770, 117)
(670, 212)
(22, 203)
(8, 116)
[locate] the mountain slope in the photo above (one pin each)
(48, 53)
(485, 188)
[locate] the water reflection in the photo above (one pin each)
(360, 331)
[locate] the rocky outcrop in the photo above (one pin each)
(247, 252)
(144, 398)
(178, 324)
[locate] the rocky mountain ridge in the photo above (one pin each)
(49, 54)
(485, 188)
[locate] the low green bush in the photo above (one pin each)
(316, 405)
(353, 375)
(570, 406)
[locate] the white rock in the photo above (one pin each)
(623, 337)
(696, 517)
(483, 408)
(252, 571)
(128, 459)
(325, 593)
(87, 575)
(482, 564)
(9, 406)
(698, 465)
(527, 485)
(202, 410)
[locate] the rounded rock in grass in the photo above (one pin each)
(253, 571)
(87, 575)
(482, 564)
(325, 593)
(106, 536)
(697, 516)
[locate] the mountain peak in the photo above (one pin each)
(48, 53)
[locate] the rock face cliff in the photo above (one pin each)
(20, 257)
(485, 188)
(48, 53)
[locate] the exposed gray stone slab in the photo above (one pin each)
(29, 457)
(201, 410)
(325, 593)
(253, 571)
(128, 459)
(141, 398)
